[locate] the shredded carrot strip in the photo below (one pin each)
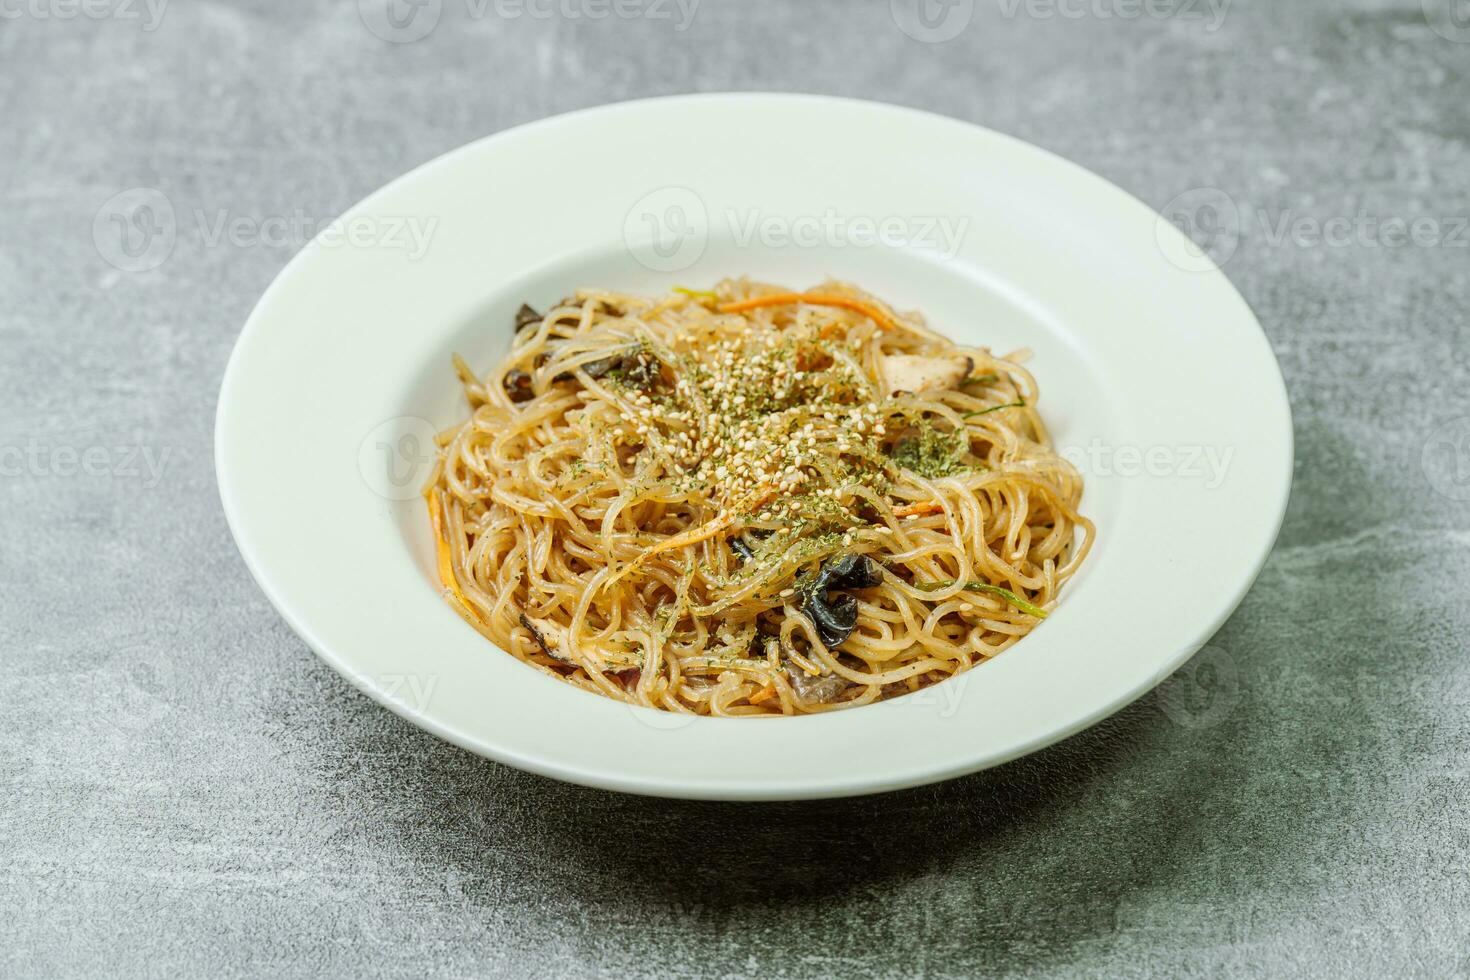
(441, 546)
(451, 593)
(764, 694)
(695, 535)
(446, 560)
(922, 507)
(692, 536)
(879, 317)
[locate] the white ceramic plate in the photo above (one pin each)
(1150, 365)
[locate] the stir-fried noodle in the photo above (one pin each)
(750, 501)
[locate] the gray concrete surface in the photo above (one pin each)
(187, 791)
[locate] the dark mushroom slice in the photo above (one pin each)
(600, 367)
(835, 619)
(527, 316)
(641, 370)
(850, 572)
(540, 639)
(743, 547)
(518, 386)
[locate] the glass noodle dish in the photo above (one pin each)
(749, 501)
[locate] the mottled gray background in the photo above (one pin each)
(188, 791)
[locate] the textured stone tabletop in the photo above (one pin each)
(188, 791)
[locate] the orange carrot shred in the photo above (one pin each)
(441, 546)
(764, 694)
(884, 321)
(922, 507)
(446, 560)
(695, 535)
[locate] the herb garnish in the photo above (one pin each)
(1006, 594)
(931, 453)
(1018, 403)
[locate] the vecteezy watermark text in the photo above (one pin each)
(413, 691)
(937, 21)
(1207, 464)
(1213, 225)
(830, 229)
(406, 21)
(138, 229)
(409, 233)
(669, 229)
(680, 13)
(1212, 12)
(129, 462)
(148, 14)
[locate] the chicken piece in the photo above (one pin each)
(915, 373)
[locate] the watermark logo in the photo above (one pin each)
(136, 230)
(680, 13)
(1450, 19)
(941, 234)
(411, 691)
(400, 21)
(1212, 12)
(944, 697)
(1362, 229)
(40, 460)
(1209, 222)
(932, 21)
(667, 230)
(1203, 692)
(1214, 224)
(1445, 459)
(139, 229)
(411, 234)
(406, 21)
(1206, 464)
(147, 13)
(395, 459)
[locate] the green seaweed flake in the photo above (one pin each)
(930, 453)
